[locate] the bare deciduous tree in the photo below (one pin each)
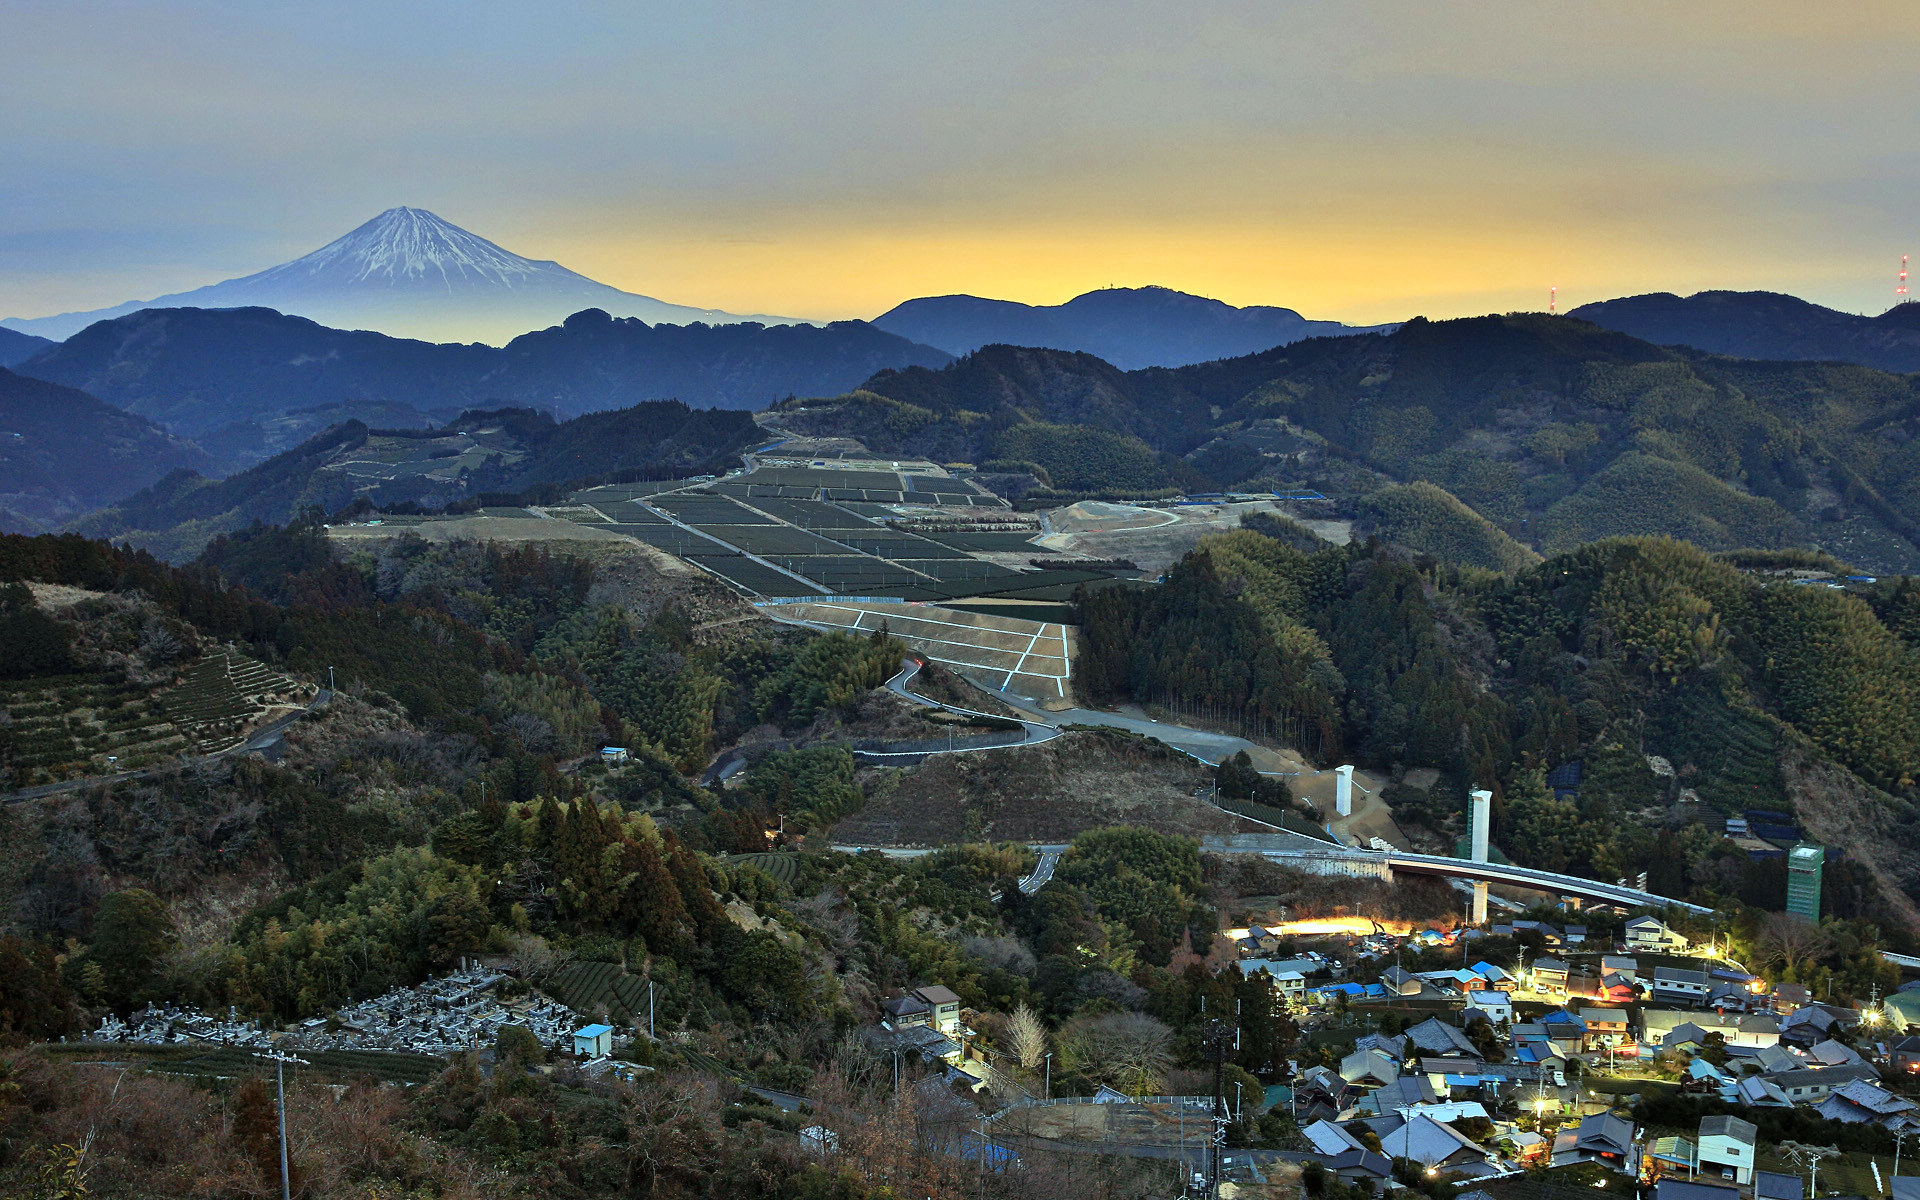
(1790, 941)
(1026, 1037)
(1131, 1051)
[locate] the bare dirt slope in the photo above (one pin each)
(1839, 810)
(1043, 793)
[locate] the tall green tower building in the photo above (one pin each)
(1804, 862)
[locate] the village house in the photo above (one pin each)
(1401, 982)
(1674, 1029)
(1727, 1145)
(1678, 985)
(1550, 975)
(1775, 1185)
(1860, 1102)
(1672, 1187)
(1433, 1144)
(1495, 1006)
(1649, 935)
(1603, 1139)
(1369, 1068)
(1583, 985)
(1496, 978)
(1605, 1027)
(1406, 1091)
(1810, 1085)
(1757, 1091)
(1434, 1036)
(933, 1005)
(1903, 1054)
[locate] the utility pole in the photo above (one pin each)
(280, 1062)
(1048, 1094)
(1215, 1038)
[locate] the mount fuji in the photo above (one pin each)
(410, 273)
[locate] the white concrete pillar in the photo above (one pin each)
(1480, 812)
(1343, 791)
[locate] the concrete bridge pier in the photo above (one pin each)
(1481, 812)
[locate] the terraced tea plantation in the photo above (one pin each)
(234, 1062)
(781, 868)
(221, 697)
(60, 727)
(589, 987)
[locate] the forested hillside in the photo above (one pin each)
(448, 802)
(64, 453)
(1556, 431)
(504, 451)
(1764, 325)
(1743, 689)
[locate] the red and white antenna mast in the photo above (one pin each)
(1901, 290)
(1553, 297)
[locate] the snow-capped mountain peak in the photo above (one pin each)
(412, 273)
(408, 247)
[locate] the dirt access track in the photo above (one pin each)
(1028, 658)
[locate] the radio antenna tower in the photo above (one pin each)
(1901, 291)
(1553, 296)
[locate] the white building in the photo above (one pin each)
(593, 1041)
(1727, 1145)
(1650, 934)
(1498, 1006)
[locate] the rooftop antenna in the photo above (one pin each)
(1901, 290)
(1553, 298)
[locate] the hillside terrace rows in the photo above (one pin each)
(68, 725)
(220, 697)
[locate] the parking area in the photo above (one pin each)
(1028, 658)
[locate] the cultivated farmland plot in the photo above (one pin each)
(761, 581)
(61, 727)
(594, 987)
(772, 541)
(781, 868)
(221, 697)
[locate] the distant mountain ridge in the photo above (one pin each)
(1128, 327)
(1765, 325)
(410, 273)
(1555, 430)
(63, 453)
(17, 347)
(232, 376)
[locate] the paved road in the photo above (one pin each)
(1037, 731)
(1043, 869)
(1210, 748)
(262, 737)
